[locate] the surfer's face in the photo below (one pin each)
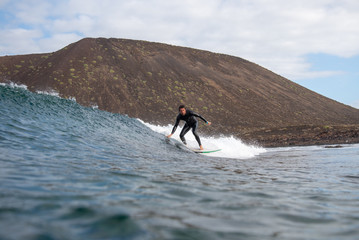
(182, 111)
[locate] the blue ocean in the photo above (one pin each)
(74, 172)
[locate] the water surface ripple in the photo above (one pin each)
(70, 172)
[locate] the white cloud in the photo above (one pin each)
(355, 104)
(4, 2)
(31, 12)
(18, 41)
(276, 34)
(57, 41)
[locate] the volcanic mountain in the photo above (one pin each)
(149, 80)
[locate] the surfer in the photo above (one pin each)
(191, 122)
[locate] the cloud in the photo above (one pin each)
(32, 12)
(355, 104)
(55, 42)
(276, 34)
(19, 40)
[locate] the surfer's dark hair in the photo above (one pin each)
(181, 106)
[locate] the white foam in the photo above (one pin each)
(231, 146)
(53, 93)
(14, 85)
(49, 92)
(72, 99)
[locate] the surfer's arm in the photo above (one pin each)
(174, 127)
(203, 119)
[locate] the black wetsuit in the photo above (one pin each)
(191, 122)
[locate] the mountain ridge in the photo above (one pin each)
(149, 80)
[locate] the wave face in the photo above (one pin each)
(47, 124)
(44, 126)
(74, 172)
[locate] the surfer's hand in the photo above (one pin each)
(209, 123)
(169, 135)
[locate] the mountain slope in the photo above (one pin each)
(149, 80)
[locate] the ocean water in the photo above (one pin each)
(73, 172)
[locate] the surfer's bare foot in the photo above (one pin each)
(200, 147)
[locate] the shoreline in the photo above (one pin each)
(303, 136)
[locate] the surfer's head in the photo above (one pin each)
(182, 110)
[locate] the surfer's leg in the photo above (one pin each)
(185, 129)
(194, 128)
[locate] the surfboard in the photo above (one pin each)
(188, 148)
(205, 150)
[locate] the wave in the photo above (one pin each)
(46, 114)
(43, 125)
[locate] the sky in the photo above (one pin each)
(313, 43)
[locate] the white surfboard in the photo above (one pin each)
(205, 150)
(191, 147)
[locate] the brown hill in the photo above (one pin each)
(149, 80)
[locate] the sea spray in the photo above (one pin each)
(231, 146)
(50, 92)
(14, 85)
